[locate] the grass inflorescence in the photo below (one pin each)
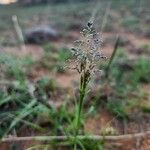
(86, 55)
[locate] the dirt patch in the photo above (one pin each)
(34, 51)
(96, 125)
(67, 80)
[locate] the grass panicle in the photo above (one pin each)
(86, 55)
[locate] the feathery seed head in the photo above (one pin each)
(87, 51)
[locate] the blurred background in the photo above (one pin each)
(35, 41)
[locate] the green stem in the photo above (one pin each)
(82, 94)
(83, 85)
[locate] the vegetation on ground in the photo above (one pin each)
(115, 102)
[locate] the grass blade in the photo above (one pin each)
(112, 56)
(22, 114)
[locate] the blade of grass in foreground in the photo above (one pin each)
(43, 146)
(33, 125)
(112, 56)
(22, 114)
(5, 100)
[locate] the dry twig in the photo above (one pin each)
(81, 137)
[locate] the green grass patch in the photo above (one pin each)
(55, 59)
(15, 67)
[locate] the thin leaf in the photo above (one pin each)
(112, 57)
(22, 114)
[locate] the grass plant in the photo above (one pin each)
(86, 55)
